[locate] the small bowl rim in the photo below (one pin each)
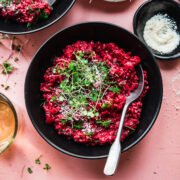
(138, 11)
(41, 28)
(15, 117)
(83, 156)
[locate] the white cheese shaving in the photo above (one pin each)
(160, 33)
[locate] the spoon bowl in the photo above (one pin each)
(51, 2)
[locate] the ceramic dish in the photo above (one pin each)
(59, 10)
(96, 31)
(148, 10)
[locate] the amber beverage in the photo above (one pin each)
(8, 123)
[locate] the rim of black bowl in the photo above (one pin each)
(41, 28)
(103, 156)
(138, 11)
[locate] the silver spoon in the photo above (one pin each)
(51, 2)
(115, 150)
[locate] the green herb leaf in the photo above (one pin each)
(29, 170)
(43, 103)
(69, 118)
(96, 114)
(88, 134)
(44, 15)
(63, 121)
(31, 9)
(77, 126)
(115, 89)
(4, 37)
(8, 68)
(104, 123)
(104, 105)
(29, 25)
(94, 95)
(37, 160)
(53, 98)
(80, 53)
(7, 87)
(84, 61)
(47, 167)
(18, 48)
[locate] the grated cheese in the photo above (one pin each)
(160, 33)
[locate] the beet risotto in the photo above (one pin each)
(25, 11)
(85, 91)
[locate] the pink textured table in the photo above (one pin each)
(156, 157)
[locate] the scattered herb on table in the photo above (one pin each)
(47, 167)
(7, 67)
(18, 48)
(29, 170)
(7, 87)
(37, 160)
(16, 59)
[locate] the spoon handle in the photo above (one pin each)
(115, 150)
(112, 159)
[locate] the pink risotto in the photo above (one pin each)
(85, 91)
(25, 11)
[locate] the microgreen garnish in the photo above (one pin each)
(47, 167)
(4, 37)
(7, 87)
(63, 121)
(18, 48)
(104, 123)
(77, 126)
(29, 170)
(85, 83)
(115, 89)
(37, 160)
(53, 98)
(30, 9)
(88, 133)
(104, 105)
(8, 68)
(29, 25)
(43, 15)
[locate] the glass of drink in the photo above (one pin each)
(8, 123)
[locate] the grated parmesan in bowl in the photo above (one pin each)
(160, 33)
(157, 23)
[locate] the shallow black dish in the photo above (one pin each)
(97, 31)
(151, 8)
(59, 10)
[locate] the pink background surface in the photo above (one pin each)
(156, 157)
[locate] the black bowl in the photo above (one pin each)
(97, 31)
(148, 10)
(59, 10)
